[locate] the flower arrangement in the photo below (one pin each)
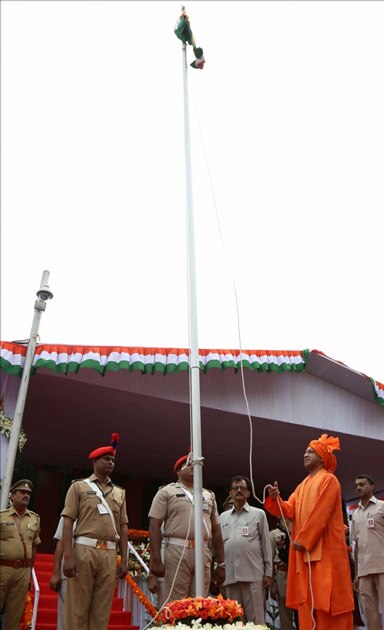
(6, 426)
(207, 609)
(134, 566)
(139, 541)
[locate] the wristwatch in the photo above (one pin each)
(221, 565)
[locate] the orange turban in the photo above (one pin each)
(324, 447)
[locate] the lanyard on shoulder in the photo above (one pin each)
(97, 490)
(189, 494)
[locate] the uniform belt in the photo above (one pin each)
(95, 542)
(189, 544)
(17, 564)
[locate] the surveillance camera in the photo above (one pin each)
(44, 293)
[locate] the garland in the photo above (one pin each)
(138, 533)
(197, 624)
(139, 541)
(26, 619)
(141, 596)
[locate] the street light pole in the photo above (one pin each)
(43, 294)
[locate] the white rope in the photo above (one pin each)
(262, 501)
(227, 260)
(311, 591)
(308, 556)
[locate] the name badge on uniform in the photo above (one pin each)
(102, 509)
(370, 522)
(245, 530)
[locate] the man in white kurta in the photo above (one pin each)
(248, 552)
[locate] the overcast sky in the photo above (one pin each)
(287, 133)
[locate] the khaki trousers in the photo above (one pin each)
(251, 596)
(371, 588)
(13, 589)
(183, 585)
(90, 594)
(286, 614)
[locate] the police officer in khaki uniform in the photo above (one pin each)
(90, 563)
(20, 534)
(280, 553)
(172, 522)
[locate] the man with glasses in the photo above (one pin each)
(248, 552)
(172, 523)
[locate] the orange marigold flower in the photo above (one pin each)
(204, 608)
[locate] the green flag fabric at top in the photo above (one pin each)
(184, 32)
(183, 29)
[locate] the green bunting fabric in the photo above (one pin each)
(66, 359)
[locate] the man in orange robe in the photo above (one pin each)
(319, 578)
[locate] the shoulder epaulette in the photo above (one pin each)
(81, 479)
(34, 513)
(119, 487)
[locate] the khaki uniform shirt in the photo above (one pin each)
(280, 568)
(82, 502)
(276, 536)
(369, 539)
(172, 506)
(247, 548)
(12, 547)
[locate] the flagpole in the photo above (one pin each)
(197, 459)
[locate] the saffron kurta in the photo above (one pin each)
(316, 510)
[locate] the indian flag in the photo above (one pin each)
(184, 32)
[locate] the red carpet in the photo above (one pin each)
(47, 614)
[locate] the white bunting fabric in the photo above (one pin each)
(69, 359)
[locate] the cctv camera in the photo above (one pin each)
(44, 293)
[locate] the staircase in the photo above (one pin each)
(47, 612)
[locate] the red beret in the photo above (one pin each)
(106, 450)
(103, 450)
(179, 462)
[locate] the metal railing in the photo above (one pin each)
(36, 599)
(140, 616)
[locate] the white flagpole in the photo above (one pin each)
(197, 459)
